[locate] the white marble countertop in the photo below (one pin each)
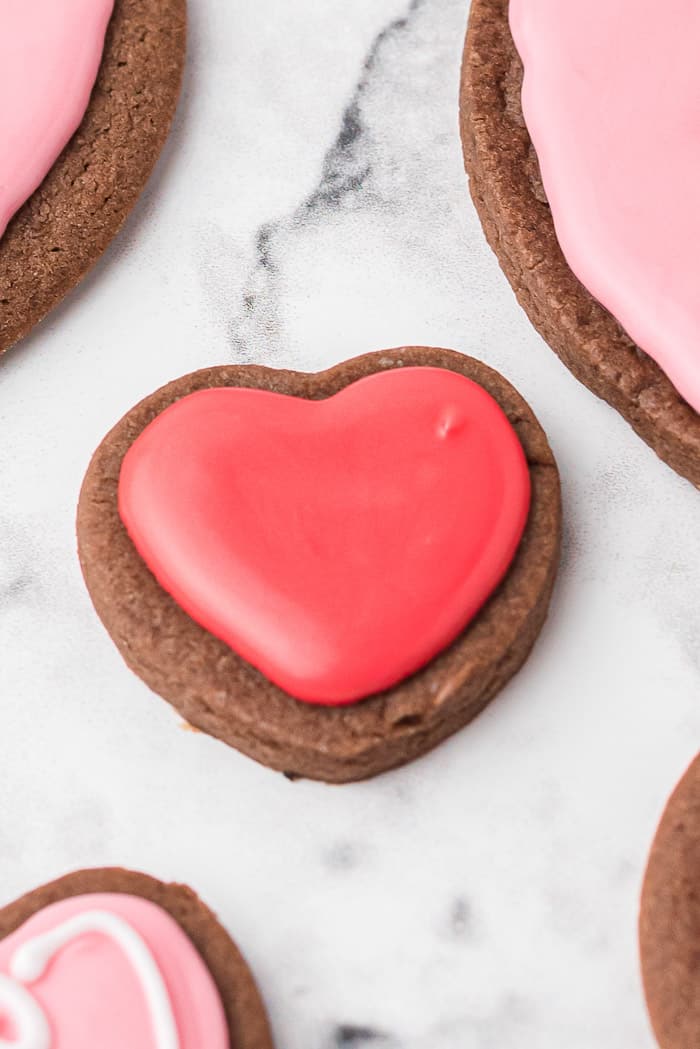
(312, 205)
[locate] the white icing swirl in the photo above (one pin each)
(31, 1026)
(30, 961)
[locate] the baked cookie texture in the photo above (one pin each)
(245, 1012)
(669, 923)
(217, 691)
(507, 191)
(62, 230)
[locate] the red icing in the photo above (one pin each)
(337, 545)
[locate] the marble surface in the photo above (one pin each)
(312, 205)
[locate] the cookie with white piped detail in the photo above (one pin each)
(114, 958)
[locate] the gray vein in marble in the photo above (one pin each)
(16, 587)
(504, 1026)
(341, 857)
(345, 173)
(19, 576)
(461, 919)
(348, 1036)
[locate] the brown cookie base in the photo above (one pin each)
(243, 1006)
(509, 197)
(669, 923)
(220, 693)
(65, 226)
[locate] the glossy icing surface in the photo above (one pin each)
(109, 970)
(337, 545)
(611, 99)
(50, 54)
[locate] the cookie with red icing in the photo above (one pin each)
(91, 88)
(669, 922)
(579, 132)
(114, 958)
(331, 572)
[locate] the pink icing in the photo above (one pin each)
(91, 994)
(612, 103)
(50, 52)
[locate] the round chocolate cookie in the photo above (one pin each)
(218, 691)
(244, 1011)
(62, 230)
(669, 923)
(508, 194)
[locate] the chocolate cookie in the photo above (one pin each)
(507, 190)
(161, 965)
(669, 924)
(61, 231)
(416, 704)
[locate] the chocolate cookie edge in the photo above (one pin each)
(504, 179)
(245, 1012)
(61, 232)
(251, 714)
(669, 918)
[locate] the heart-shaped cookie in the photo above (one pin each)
(114, 959)
(338, 544)
(77, 197)
(586, 185)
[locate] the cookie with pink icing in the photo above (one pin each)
(611, 98)
(89, 88)
(114, 958)
(49, 57)
(580, 131)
